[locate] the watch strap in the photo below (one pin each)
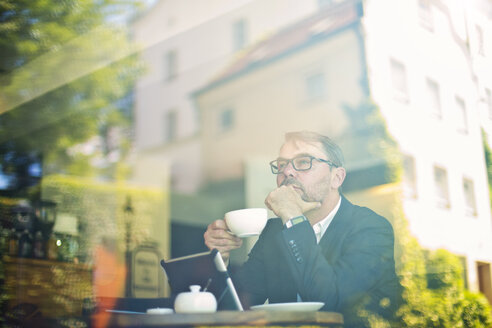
(295, 220)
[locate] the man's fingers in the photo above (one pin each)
(236, 242)
(218, 224)
(217, 236)
(267, 202)
(224, 234)
(308, 206)
(218, 230)
(225, 248)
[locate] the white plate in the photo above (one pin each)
(295, 306)
(160, 311)
(244, 235)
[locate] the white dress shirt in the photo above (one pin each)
(320, 227)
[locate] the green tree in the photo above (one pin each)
(488, 159)
(65, 73)
(434, 293)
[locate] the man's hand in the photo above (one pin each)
(286, 203)
(218, 236)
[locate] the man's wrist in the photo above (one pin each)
(287, 215)
(295, 220)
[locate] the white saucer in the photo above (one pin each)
(294, 306)
(160, 311)
(250, 234)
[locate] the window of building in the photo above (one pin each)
(170, 65)
(488, 100)
(399, 80)
(441, 186)
(324, 3)
(425, 15)
(434, 98)
(461, 116)
(470, 201)
(170, 125)
(315, 86)
(409, 176)
(480, 45)
(226, 120)
(239, 34)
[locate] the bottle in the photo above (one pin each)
(38, 249)
(4, 241)
(25, 244)
(73, 248)
(52, 248)
(13, 243)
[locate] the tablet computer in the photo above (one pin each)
(207, 270)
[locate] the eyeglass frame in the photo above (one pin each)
(330, 163)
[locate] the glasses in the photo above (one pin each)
(300, 163)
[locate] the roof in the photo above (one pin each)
(320, 26)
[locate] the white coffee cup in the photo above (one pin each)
(246, 222)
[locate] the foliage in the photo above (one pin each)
(99, 208)
(367, 126)
(65, 74)
(434, 293)
(488, 160)
(476, 311)
(438, 297)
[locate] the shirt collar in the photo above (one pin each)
(320, 227)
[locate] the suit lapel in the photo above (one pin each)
(332, 234)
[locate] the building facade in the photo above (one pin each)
(424, 63)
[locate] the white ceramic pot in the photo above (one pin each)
(195, 301)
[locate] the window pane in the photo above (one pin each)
(461, 116)
(170, 122)
(434, 98)
(399, 79)
(479, 32)
(488, 100)
(409, 176)
(226, 120)
(239, 34)
(315, 86)
(170, 65)
(425, 15)
(441, 185)
(469, 193)
(324, 3)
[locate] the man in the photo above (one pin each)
(321, 247)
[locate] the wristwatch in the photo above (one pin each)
(295, 220)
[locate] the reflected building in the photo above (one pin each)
(225, 83)
(185, 45)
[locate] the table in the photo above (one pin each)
(221, 318)
(54, 288)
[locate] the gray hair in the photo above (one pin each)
(331, 149)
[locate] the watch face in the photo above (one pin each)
(294, 221)
(298, 219)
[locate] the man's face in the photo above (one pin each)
(313, 185)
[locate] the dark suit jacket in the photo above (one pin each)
(351, 268)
